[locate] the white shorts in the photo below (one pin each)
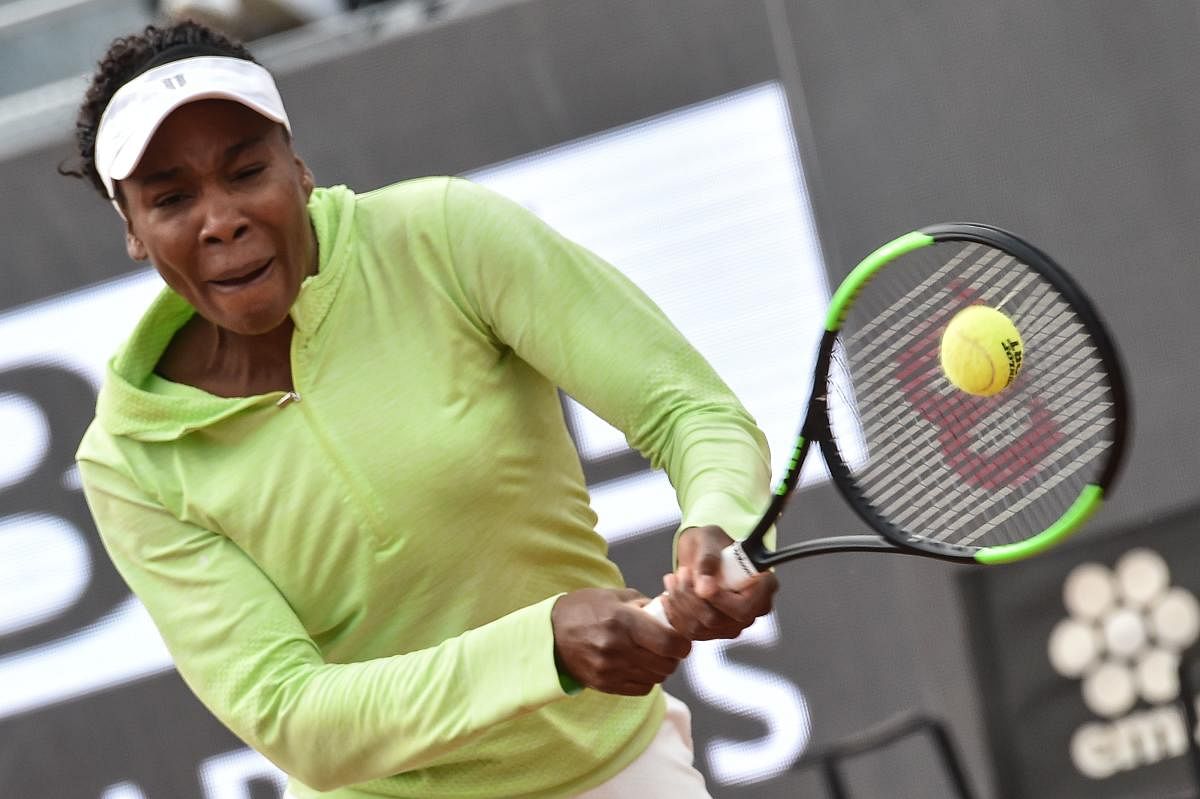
(663, 771)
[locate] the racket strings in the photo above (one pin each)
(947, 466)
(988, 441)
(943, 516)
(873, 350)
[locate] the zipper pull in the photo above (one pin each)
(290, 396)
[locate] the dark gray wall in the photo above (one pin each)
(1074, 123)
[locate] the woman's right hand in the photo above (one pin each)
(605, 641)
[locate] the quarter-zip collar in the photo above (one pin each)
(129, 405)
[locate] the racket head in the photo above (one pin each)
(949, 474)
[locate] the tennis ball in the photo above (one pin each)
(981, 351)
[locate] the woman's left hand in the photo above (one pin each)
(696, 603)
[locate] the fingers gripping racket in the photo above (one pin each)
(932, 469)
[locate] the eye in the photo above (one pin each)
(169, 199)
(249, 172)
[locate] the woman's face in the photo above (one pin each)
(218, 203)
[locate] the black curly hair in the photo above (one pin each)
(128, 57)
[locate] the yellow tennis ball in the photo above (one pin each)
(981, 351)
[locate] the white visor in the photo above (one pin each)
(141, 105)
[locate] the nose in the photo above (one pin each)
(223, 220)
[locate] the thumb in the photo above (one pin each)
(631, 595)
(708, 574)
(700, 549)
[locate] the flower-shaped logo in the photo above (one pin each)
(1125, 632)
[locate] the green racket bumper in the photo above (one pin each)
(859, 276)
(1085, 505)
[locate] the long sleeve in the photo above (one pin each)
(242, 650)
(590, 330)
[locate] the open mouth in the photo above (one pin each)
(247, 279)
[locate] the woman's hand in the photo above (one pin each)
(696, 603)
(605, 641)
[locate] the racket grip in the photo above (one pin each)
(656, 609)
(736, 571)
(736, 567)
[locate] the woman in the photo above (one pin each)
(331, 459)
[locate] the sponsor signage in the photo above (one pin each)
(1082, 648)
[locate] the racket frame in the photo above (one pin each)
(817, 427)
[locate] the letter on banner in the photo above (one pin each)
(748, 691)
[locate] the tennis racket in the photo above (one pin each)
(933, 470)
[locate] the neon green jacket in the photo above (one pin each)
(359, 583)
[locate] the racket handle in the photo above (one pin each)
(736, 571)
(656, 609)
(736, 567)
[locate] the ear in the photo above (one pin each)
(134, 246)
(307, 181)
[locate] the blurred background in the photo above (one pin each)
(735, 158)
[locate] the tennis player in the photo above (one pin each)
(332, 463)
